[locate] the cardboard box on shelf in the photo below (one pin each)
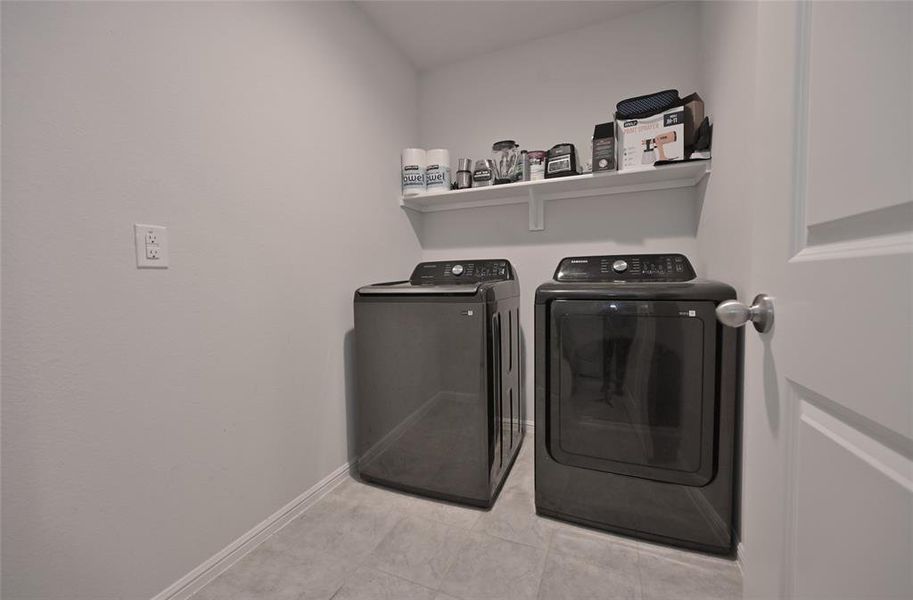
(660, 137)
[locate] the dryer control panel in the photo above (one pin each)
(625, 267)
(455, 272)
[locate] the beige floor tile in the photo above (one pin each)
(687, 575)
(419, 550)
(346, 526)
(274, 574)
(581, 565)
(457, 515)
(370, 584)
(489, 568)
(359, 491)
(514, 518)
(521, 476)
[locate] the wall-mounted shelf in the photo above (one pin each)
(536, 193)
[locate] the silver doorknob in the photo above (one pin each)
(735, 314)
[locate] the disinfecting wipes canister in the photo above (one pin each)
(413, 171)
(437, 171)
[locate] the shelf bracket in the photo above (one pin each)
(536, 211)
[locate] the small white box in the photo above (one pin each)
(643, 142)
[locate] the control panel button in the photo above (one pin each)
(620, 266)
(457, 270)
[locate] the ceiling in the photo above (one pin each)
(431, 34)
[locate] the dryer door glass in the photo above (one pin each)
(632, 388)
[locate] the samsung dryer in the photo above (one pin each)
(636, 400)
(439, 408)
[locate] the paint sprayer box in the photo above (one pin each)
(660, 137)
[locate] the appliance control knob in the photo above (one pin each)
(457, 270)
(620, 266)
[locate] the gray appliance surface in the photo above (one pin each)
(636, 401)
(439, 409)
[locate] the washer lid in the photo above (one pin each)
(405, 288)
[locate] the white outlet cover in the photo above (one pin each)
(151, 242)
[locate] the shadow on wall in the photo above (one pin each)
(700, 191)
(626, 219)
(771, 384)
(415, 219)
(348, 357)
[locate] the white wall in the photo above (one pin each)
(558, 88)
(729, 34)
(151, 417)
(727, 57)
(546, 92)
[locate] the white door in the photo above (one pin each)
(828, 490)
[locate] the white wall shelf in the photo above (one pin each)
(536, 193)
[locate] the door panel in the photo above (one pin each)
(843, 478)
(859, 82)
(828, 390)
(840, 346)
(853, 226)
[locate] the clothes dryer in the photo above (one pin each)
(636, 389)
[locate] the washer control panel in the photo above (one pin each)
(628, 267)
(454, 272)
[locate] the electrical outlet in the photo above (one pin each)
(151, 246)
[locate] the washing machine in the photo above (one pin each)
(438, 408)
(636, 400)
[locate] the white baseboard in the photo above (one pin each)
(192, 582)
(530, 424)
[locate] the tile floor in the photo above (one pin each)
(363, 542)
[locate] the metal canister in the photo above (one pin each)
(523, 166)
(464, 173)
